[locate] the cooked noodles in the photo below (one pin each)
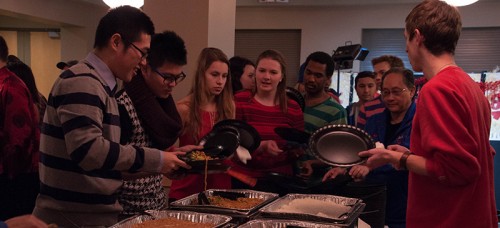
(171, 223)
(240, 203)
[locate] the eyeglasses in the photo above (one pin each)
(395, 92)
(170, 77)
(143, 53)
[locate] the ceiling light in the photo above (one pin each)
(116, 3)
(459, 2)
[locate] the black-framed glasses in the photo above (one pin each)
(144, 54)
(395, 92)
(170, 77)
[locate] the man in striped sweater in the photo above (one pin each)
(81, 159)
(321, 109)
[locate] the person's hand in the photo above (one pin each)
(270, 146)
(25, 221)
(359, 172)
(171, 162)
(333, 173)
(306, 169)
(380, 157)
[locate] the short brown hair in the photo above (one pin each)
(391, 59)
(438, 22)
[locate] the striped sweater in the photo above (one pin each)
(81, 157)
(324, 113)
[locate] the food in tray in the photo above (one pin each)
(241, 203)
(198, 156)
(171, 223)
(315, 207)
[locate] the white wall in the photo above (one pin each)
(325, 28)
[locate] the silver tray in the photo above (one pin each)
(217, 220)
(279, 223)
(187, 202)
(354, 208)
(339, 145)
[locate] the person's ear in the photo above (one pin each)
(145, 70)
(419, 38)
(115, 40)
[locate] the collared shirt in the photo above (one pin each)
(102, 69)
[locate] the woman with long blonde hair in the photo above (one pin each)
(209, 101)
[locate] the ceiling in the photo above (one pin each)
(250, 3)
(301, 2)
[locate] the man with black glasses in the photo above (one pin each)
(149, 117)
(81, 157)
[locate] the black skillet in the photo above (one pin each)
(293, 134)
(295, 95)
(219, 144)
(248, 135)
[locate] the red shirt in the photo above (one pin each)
(195, 183)
(265, 119)
(451, 130)
(19, 132)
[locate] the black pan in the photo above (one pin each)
(221, 142)
(295, 95)
(339, 145)
(249, 137)
(293, 134)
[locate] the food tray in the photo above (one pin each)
(354, 208)
(279, 223)
(217, 220)
(187, 202)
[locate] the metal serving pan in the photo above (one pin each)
(191, 202)
(279, 223)
(339, 145)
(321, 214)
(217, 220)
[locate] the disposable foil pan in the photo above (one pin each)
(191, 202)
(217, 220)
(354, 208)
(279, 223)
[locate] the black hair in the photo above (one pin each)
(408, 78)
(25, 73)
(323, 58)
(127, 21)
(237, 66)
(4, 50)
(167, 47)
(363, 74)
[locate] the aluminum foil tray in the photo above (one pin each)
(279, 223)
(191, 202)
(354, 208)
(217, 220)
